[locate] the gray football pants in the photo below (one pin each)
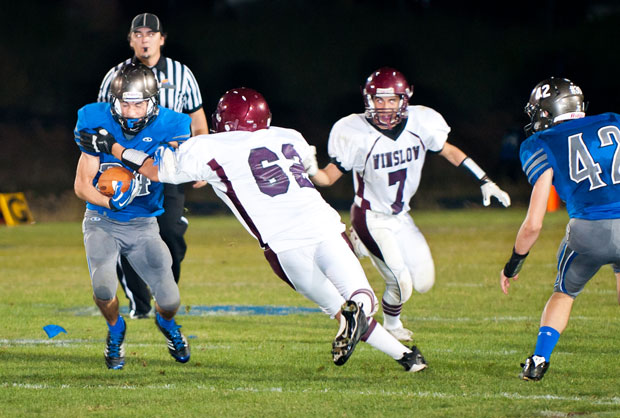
(586, 247)
(139, 241)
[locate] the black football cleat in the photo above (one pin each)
(353, 325)
(178, 347)
(413, 361)
(531, 371)
(114, 352)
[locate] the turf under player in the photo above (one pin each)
(257, 170)
(577, 154)
(126, 224)
(179, 92)
(385, 148)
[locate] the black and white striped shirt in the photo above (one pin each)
(179, 90)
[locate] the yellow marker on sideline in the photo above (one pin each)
(14, 209)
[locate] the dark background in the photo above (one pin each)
(474, 62)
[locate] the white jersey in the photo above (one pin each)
(386, 172)
(260, 176)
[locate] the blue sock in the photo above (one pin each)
(118, 327)
(547, 339)
(164, 322)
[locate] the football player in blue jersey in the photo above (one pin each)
(126, 222)
(579, 155)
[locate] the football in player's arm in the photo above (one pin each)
(125, 224)
(180, 92)
(257, 170)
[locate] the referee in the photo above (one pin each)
(180, 92)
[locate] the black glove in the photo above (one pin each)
(100, 141)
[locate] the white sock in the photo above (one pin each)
(392, 322)
(385, 342)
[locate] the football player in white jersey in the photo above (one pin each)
(257, 170)
(385, 148)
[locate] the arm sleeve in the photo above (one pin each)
(534, 159)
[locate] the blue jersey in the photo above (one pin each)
(585, 157)
(168, 126)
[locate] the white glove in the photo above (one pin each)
(490, 189)
(310, 164)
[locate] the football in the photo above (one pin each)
(109, 178)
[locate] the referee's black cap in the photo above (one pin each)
(146, 20)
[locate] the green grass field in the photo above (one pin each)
(472, 335)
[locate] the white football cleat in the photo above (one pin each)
(401, 333)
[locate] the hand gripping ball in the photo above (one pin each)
(110, 177)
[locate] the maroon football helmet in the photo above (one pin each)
(386, 82)
(241, 109)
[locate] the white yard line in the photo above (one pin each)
(615, 400)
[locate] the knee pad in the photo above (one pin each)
(424, 279)
(104, 293)
(168, 301)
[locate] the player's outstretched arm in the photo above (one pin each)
(488, 188)
(321, 177)
(530, 229)
(326, 176)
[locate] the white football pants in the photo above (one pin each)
(328, 273)
(404, 259)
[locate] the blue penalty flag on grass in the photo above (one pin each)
(53, 330)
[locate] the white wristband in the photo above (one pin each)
(474, 168)
(134, 158)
